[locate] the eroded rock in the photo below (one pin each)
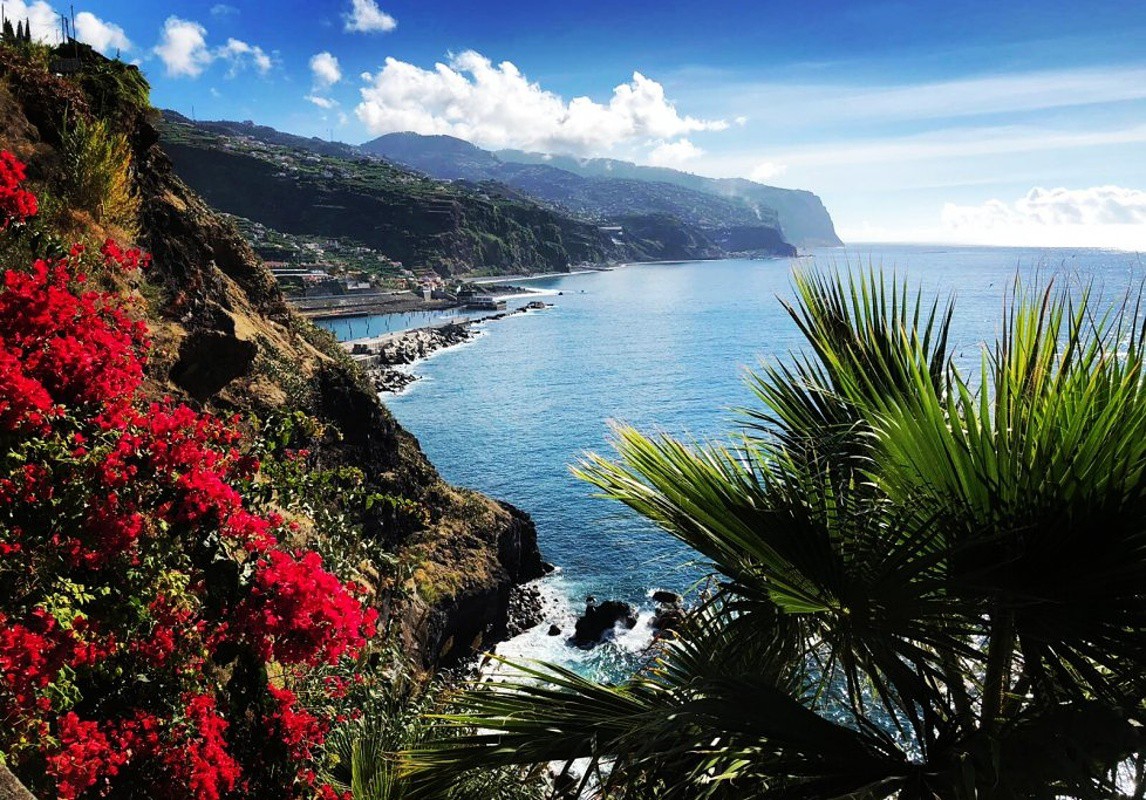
(599, 620)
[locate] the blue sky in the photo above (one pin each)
(1002, 122)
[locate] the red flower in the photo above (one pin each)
(85, 757)
(298, 612)
(129, 514)
(201, 762)
(16, 204)
(299, 730)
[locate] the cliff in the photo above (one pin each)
(461, 210)
(605, 195)
(607, 187)
(406, 217)
(800, 213)
(225, 341)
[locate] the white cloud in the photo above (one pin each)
(1101, 216)
(322, 102)
(222, 10)
(103, 36)
(183, 48)
(366, 17)
(767, 170)
(671, 154)
(1098, 205)
(240, 54)
(497, 106)
(325, 68)
(184, 52)
(44, 20)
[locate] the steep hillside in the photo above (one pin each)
(609, 198)
(802, 215)
(224, 341)
(605, 197)
(406, 217)
(264, 133)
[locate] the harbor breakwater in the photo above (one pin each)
(386, 358)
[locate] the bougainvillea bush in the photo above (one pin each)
(154, 628)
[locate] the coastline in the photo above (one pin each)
(538, 276)
(386, 359)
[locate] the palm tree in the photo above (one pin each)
(931, 582)
(365, 752)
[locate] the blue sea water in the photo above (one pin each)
(663, 347)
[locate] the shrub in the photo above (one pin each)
(150, 620)
(97, 173)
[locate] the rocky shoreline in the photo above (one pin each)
(384, 357)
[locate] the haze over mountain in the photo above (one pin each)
(608, 187)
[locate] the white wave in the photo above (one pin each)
(560, 608)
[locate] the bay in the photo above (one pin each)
(663, 347)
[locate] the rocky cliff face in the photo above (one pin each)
(406, 218)
(800, 213)
(224, 340)
(612, 190)
(472, 212)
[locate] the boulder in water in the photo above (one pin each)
(599, 619)
(667, 618)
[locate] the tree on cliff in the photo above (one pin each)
(930, 583)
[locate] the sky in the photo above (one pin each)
(1010, 122)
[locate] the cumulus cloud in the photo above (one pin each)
(1099, 205)
(1101, 216)
(767, 170)
(671, 154)
(240, 55)
(44, 20)
(183, 48)
(497, 106)
(325, 69)
(184, 52)
(322, 102)
(366, 17)
(103, 36)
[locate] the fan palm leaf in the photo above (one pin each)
(924, 577)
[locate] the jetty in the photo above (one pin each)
(382, 357)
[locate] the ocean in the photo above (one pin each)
(663, 347)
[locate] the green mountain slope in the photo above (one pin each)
(802, 215)
(606, 188)
(406, 217)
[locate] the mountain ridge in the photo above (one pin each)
(458, 223)
(796, 208)
(800, 214)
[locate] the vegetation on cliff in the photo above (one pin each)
(928, 583)
(604, 188)
(216, 546)
(517, 219)
(406, 217)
